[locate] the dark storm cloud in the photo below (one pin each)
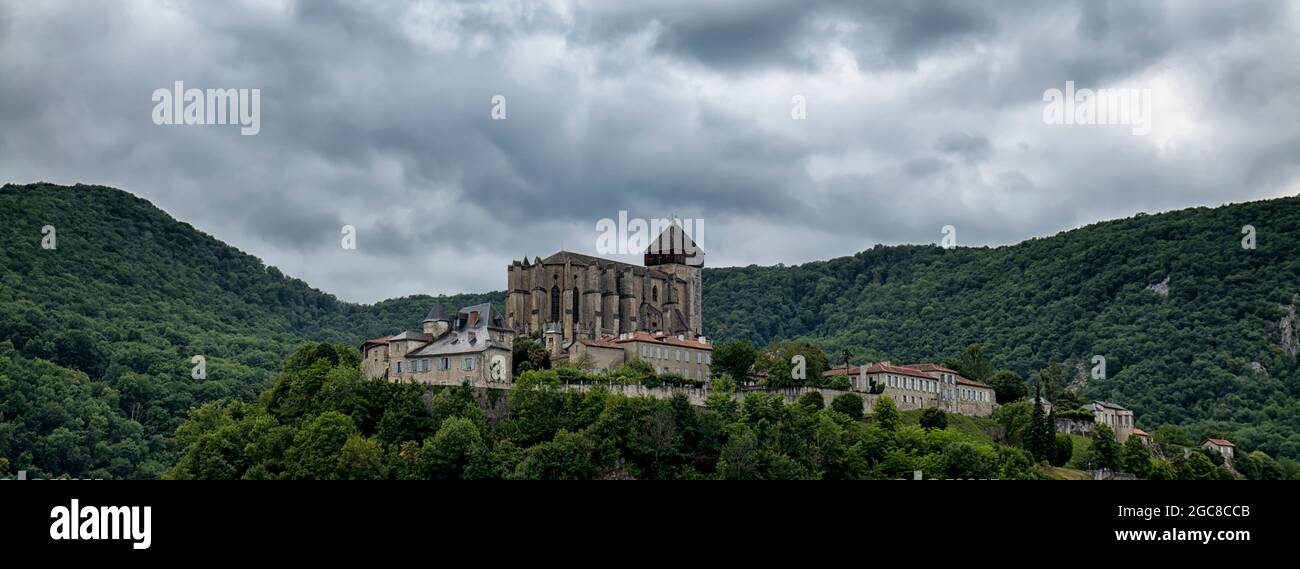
(755, 34)
(378, 115)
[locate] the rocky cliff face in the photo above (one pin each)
(1290, 327)
(1161, 288)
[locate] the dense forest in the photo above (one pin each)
(97, 334)
(1195, 329)
(120, 305)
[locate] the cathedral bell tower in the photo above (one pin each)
(675, 253)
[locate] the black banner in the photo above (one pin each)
(166, 521)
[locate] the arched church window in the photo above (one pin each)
(555, 304)
(654, 293)
(577, 300)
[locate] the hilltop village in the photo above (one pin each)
(600, 316)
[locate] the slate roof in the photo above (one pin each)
(563, 257)
(468, 334)
(409, 335)
(435, 313)
(674, 239)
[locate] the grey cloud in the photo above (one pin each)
(971, 147)
(377, 115)
(922, 167)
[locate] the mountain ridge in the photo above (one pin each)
(131, 294)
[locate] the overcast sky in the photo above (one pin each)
(379, 115)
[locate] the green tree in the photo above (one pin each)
(637, 370)
(850, 404)
(739, 459)
(1049, 379)
(1161, 470)
(775, 361)
(1214, 456)
(1171, 435)
(456, 452)
(964, 460)
(1259, 466)
(1040, 439)
(1196, 466)
(1014, 464)
(734, 358)
(1017, 419)
(1008, 387)
(405, 418)
(77, 349)
(885, 414)
(528, 350)
(973, 363)
(318, 446)
(1104, 452)
(1064, 450)
(362, 458)
(933, 418)
(1135, 458)
(567, 457)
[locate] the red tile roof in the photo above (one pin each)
(963, 381)
(671, 340)
(377, 341)
(599, 343)
(923, 371)
(878, 368)
(936, 368)
(1140, 432)
(1221, 442)
(931, 368)
(850, 370)
(898, 370)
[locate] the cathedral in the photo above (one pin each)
(568, 297)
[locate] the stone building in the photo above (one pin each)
(1118, 418)
(569, 296)
(473, 345)
(1221, 446)
(689, 358)
(921, 386)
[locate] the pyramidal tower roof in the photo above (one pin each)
(435, 313)
(674, 245)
